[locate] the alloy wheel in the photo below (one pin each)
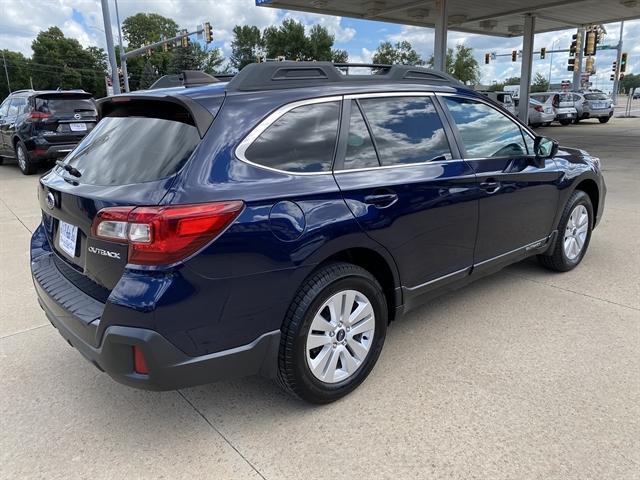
(22, 158)
(340, 336)
(575, 234)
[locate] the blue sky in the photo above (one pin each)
(82, 19)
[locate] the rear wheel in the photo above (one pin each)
(547, 124)
(603, 119)
(574, 233)
(333, 333)
(27, 167)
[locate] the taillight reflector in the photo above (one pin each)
(139, 362)
(37, 116)
(167, 234)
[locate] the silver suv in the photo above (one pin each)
(593, 105)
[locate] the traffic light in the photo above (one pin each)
(571, 64)
(614, 66)
(184, 39)
(121, 80)
(487, 58)
(208, 33)
(574, 46)
(514, 55)
(590, 43)
(623, 62)
(589, 65)
(543, 53)
(612, 77)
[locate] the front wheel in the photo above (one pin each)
(333, 333)
(574, 233)
(603, 119)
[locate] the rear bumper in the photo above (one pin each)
(51, 152)
(77, 316)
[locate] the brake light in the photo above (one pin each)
(538, 108)
(36, 116)
(139, 362)
(167, 234)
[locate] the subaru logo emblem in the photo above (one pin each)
(77, 116)
(51, 201)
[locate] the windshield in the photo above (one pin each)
(125, 150)
(595, 96)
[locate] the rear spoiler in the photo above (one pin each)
(202, 118)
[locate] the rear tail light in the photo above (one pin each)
(164, 235)
(538, 108)
(36, 116)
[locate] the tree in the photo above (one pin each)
(339, 56)
(630, 81)
(145, 28)
(246, 45)
(540, 83)
(213, 62)
(400, 53)
(319, 46)
(288, 40)
(19, 69)
(149, 76)
(461, 64)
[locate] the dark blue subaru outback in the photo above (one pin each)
(276, 223)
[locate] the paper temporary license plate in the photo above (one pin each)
(78, 127)
(68, 235)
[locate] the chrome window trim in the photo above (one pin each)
(241, 149)
(480, 100)
(408, 93)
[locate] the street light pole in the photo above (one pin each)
(616, 78)
(4, 60)
(123, 58)
(106, 16)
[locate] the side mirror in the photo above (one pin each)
(545, 147)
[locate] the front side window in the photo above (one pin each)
(406, 130)
(485, 132)
(301, 141)
(17, 106)
(4, 108)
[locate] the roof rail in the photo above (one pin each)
(288, 74)
(188, 78)
(24, 90)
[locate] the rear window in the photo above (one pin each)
(64, 106)
(302, 140)
(595, 96)
(132, 149)
(541, 98)
(566, 97)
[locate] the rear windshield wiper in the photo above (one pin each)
(72, 170)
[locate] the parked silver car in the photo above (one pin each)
(593, 105)
(562, 104)
(540, 114)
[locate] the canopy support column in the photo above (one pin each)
(440, 43)
(526, 67)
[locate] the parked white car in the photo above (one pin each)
(562, 104)
(539, 114)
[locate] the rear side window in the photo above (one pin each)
(133, 149)
(18, 106)
(302, 140)
(406, 130)
(485, 132)
(57, 106)
(360, 150)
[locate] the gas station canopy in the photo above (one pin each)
(502, 18)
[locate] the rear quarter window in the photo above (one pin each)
(300, 141)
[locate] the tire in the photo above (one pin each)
(536, 125)
(27, 167)
(565, 122)
(603, 119)
(547, 124)
(1, 160)
(576, 120)
(334, 349)
(564, 257)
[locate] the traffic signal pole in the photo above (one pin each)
(123, 59)
(106, 16)
(616, 79)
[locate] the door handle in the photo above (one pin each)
(490, 186)
(381, 199)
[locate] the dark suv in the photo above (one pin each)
(277, 223)
(40, 126)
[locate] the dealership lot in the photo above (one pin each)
(525, 374)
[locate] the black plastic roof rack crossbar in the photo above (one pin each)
(288, 74)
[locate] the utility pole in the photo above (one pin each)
(106, 16)
(553, 46)
(123, 59)
(616, 78)
(4, 60)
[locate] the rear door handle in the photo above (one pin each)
(490, 186)
(381, 200)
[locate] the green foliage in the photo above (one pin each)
(246, 45)
(339, 56)
(19, 70)
(400, 53)
(630, 81)
(498, 87)
(288, 40)
(539, 84)
(145, 28)
(461, 64)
